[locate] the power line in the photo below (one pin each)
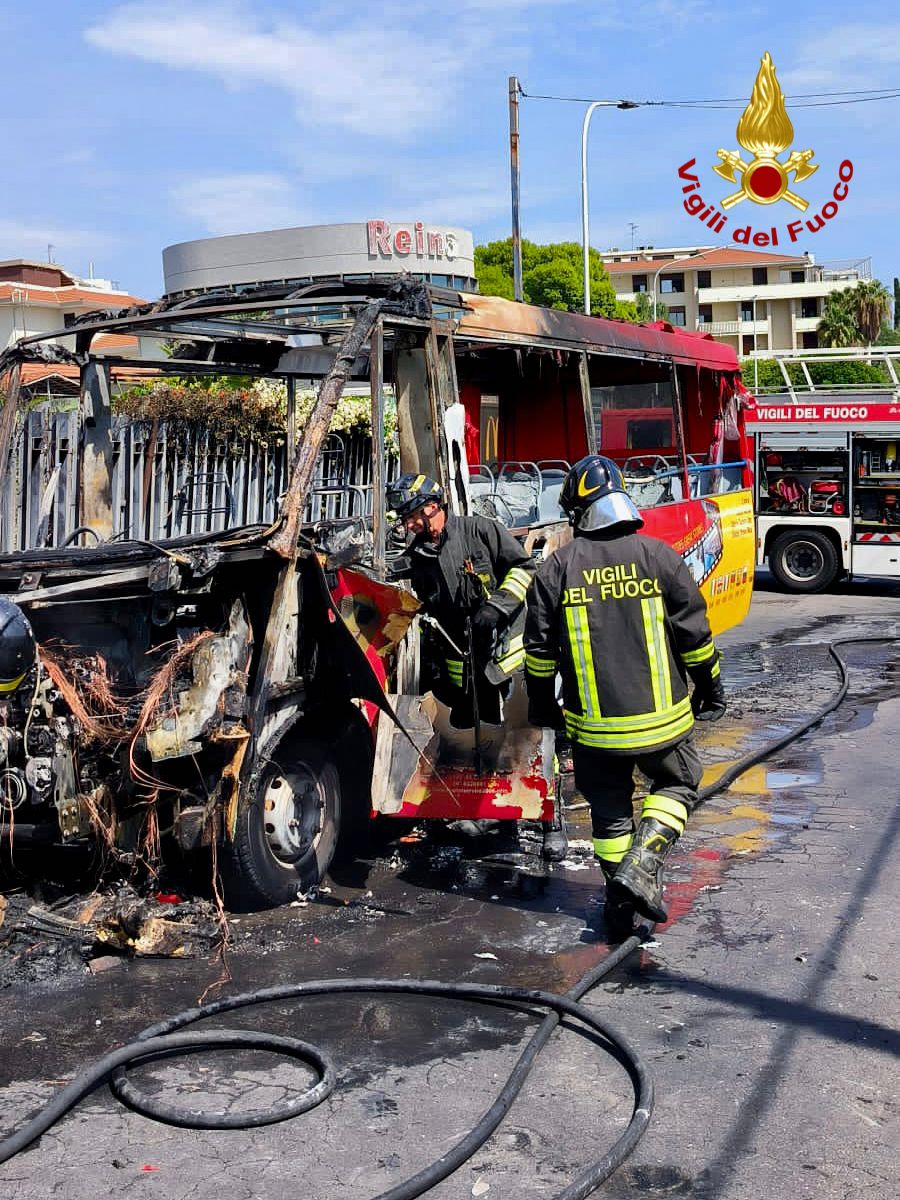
(802, 100)
(726, 106)
(799, 96)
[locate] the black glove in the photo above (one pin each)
(485, 624)
(545, 714)
(564, 753)
(708, 700)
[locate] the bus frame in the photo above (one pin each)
(287, 727)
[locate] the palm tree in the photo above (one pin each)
(870, 305)
(838, 326)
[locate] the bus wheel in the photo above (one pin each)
(287, 829)
(804, 561)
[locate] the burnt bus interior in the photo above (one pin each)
(536, 407)
(203, 687)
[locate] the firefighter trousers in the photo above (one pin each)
(607, 782)
(462, 712)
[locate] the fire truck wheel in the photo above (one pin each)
(804, 561)
(287, 829)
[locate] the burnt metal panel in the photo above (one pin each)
(491, 319)
(97, 453)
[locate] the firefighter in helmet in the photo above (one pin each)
(18, 649)
(471, 576)
(622, 621)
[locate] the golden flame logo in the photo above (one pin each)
(765, 131)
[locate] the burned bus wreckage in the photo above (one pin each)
(249, 692)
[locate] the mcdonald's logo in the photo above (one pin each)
(490, 446)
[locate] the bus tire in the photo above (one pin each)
(287, 828)
(804, 560)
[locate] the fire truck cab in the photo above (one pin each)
(827, 482)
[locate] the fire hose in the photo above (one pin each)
(164, 1039)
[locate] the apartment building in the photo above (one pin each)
(38, 297)
(753, 301)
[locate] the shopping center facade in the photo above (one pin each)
(353, 252)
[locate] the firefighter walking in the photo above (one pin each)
(471, 576)
(622, 621)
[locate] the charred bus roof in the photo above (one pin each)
(265, 322)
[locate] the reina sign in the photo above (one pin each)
(765, 131)
(414, 239)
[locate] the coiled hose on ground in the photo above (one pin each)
(163, 1040)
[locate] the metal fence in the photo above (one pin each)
(168, 482)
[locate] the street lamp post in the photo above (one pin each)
(673, 263)
(585, 227)
(755, 351)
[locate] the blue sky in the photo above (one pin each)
(130, 126)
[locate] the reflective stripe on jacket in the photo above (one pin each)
(623, 622)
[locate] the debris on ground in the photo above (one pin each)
(41, 941)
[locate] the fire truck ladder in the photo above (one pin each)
(885, 358)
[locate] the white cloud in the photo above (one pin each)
(467, 192)
(856, 55)
(651, 14)
(241, 202)
(30, 239)
(459, 193)
(368, 76)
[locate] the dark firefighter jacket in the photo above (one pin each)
(478, 560)
(624, 623)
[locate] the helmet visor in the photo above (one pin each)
(615, 509)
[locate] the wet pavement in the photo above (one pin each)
(765, 1007)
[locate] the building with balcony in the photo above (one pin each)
(38, 297)
(755, 302)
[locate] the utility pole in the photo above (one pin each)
(514, 90)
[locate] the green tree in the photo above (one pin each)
(896, 302)
(855, 316)
(871, 306)
(762, 375)
(495, 254)
(644, 305)
(626, 310)
(552, 275)
(823, 374)
(838, 325)
(556, 284)
(494, 281)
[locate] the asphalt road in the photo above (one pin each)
(766, 1008)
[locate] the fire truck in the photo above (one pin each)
(827, 476)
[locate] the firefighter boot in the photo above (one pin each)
(618, 911)
(556, 841)
(639, 876)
